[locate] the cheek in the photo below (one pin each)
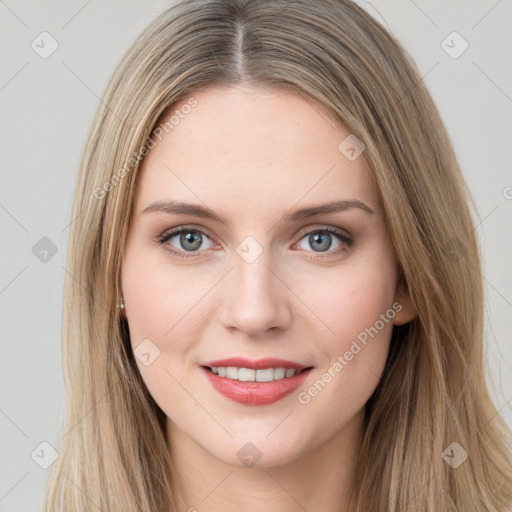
(157, 297)
(167, 305)
(352, 298)
(355, 308)
(159, 308)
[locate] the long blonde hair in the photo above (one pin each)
(113, 453)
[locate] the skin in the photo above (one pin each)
(252, 155)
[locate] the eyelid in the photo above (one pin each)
(186, 227)
(323, 227)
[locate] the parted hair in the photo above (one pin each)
(113, 452)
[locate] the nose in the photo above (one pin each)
(256, 297)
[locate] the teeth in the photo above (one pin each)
(265, 375)
(243, 374)
(232, 372)
(250, 375)
(279, 373)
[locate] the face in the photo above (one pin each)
(254, 281)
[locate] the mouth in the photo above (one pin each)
(261, 370)
(255, 383)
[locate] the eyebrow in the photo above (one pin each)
(180, 207)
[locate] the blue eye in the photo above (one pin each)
(322, 239)
(190, 241)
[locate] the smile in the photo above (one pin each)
(251, 386)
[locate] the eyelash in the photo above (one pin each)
(191, 254)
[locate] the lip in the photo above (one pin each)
(256, 393)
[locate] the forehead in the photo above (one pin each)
(265, 144)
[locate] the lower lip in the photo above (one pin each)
(256, 393)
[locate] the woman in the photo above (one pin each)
(276, 295)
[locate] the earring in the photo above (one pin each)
(121, 306)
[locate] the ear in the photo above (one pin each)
(408, 311)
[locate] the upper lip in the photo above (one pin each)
(268, 362)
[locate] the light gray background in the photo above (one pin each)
(47, 106)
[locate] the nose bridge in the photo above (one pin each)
(257, 300)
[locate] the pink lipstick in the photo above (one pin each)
(261, 382)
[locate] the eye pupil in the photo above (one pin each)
(193, 237)
(322, 237)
